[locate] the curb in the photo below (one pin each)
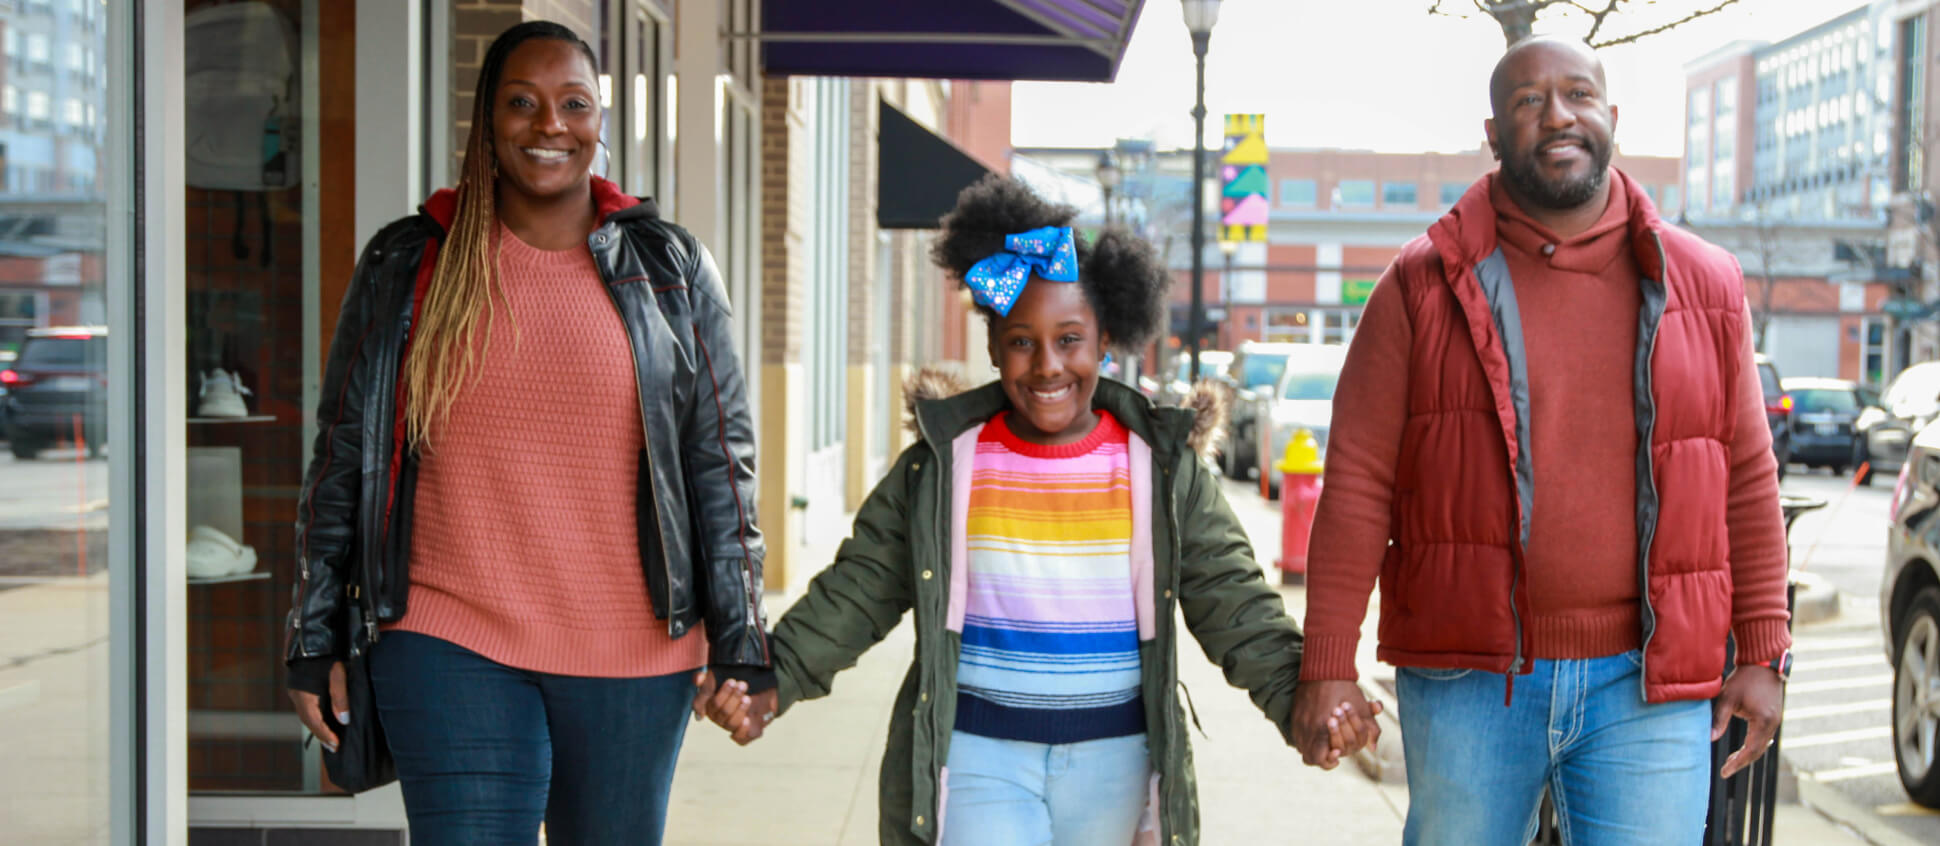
(1814, 599)
(1836, 807)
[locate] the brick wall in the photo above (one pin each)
(784, 211)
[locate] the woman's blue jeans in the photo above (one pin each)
(1619, 770)
(486, 752)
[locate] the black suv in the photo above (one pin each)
(58, 384)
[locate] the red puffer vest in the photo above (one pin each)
(1452, 588)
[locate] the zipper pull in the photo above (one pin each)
(1509, 694)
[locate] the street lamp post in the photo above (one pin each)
(1227, 249)
(1109, 176)
(1200, 17)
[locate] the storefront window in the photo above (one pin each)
(55, 293)
(260, 199)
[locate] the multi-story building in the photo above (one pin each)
(52, 91)
(1798, 129)
(1818, 142)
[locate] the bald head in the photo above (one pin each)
(1534, 57)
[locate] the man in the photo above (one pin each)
(1549, 444)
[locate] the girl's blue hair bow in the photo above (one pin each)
(1049, 252)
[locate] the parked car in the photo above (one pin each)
(1178, 384)
(1303, 399)
(1824, 423)
(59, 377)
(1778, 412)
(1255, 373)
(1909, 600)
(6, 361)
(1912, 400)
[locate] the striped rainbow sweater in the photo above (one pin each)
(1050, 632)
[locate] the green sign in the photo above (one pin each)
(1905, 308)
(1355, 291)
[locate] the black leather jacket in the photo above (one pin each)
(699, 545)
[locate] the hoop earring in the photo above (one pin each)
(606, 173)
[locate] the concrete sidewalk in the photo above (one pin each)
(812, 778)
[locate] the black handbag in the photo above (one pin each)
(363, 757)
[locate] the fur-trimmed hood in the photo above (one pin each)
(1209, 402)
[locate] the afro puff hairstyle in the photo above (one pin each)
(1122, 277)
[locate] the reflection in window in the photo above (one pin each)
(55, 666)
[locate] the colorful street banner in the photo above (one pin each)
(1242, 169)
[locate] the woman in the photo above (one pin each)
(532, 487)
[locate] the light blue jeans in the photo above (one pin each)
(1017, 793)
(1619, 771)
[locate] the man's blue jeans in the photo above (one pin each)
(1619, 771)
(485, 752)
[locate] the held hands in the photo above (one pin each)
(745, 716)
(1332, 719)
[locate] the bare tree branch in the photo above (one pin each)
(1597, 17)
(1633, 37)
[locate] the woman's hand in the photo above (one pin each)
(309, 708)
(745, 716)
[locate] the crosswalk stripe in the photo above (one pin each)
(1874, 659)
(1835, 738)
(1813, 644)
(1840, 684)
(1840, 709)
(1850, 773)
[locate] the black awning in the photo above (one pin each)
(1067, 40)
(918, 175)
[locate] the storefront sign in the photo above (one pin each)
(1356, 291)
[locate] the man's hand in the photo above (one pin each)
(746, 716)
(309, 708)
(1331, 719)
(1754, 693)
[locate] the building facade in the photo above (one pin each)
(202, 210)
(1819, 141)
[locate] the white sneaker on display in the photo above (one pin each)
(222, 395)
(213, 554)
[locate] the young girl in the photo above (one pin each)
(1044, 529)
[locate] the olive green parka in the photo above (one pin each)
(898, 557)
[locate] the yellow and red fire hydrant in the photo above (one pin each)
(1299, 493)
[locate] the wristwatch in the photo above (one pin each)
(1782, 665)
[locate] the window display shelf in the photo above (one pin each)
(254, 418)
(223, 580)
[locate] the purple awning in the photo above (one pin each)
(1065, 40)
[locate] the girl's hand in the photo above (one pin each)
(1348, 731)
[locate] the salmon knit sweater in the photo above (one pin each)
(524, 543)
(1579, 299)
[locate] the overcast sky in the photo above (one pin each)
(1374, 74)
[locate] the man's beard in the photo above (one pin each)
(1571, 192)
